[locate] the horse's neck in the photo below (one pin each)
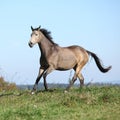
(45, 46)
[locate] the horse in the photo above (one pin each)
(53, 57)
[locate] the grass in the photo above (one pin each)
(89, 103)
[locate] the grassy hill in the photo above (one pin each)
(89, 103)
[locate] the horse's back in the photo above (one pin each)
(80, 53)
(77, 49)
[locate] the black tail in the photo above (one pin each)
(98, 63)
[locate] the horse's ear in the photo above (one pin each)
(39, 27)
(32, 28)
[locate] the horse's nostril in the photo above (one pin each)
(30, 44)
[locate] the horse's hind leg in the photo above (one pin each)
(72, 82)
(81, 78)
(77, 70)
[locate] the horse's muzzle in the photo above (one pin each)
(30, 44)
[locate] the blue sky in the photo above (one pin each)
(92, 24)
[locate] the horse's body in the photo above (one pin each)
(54, 57)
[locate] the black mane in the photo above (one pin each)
(47, 34)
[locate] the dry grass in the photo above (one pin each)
(6, 86)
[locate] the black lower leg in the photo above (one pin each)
(49, 70)
(41, 71)
(35, 85)
(71, 82)
(81, 83)
(45, 83)
(36, 82)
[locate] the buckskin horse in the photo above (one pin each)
(54, 57)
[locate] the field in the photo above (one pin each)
(88, 103)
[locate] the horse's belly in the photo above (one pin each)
(66, 63)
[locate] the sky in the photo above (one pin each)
(92, 24)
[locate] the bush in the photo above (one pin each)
(6, 85)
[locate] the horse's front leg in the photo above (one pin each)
(41, 72)
(49, 70)
(45, 85)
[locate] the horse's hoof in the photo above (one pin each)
(65, 91)
(32, 93)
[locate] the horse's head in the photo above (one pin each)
(36, 36)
